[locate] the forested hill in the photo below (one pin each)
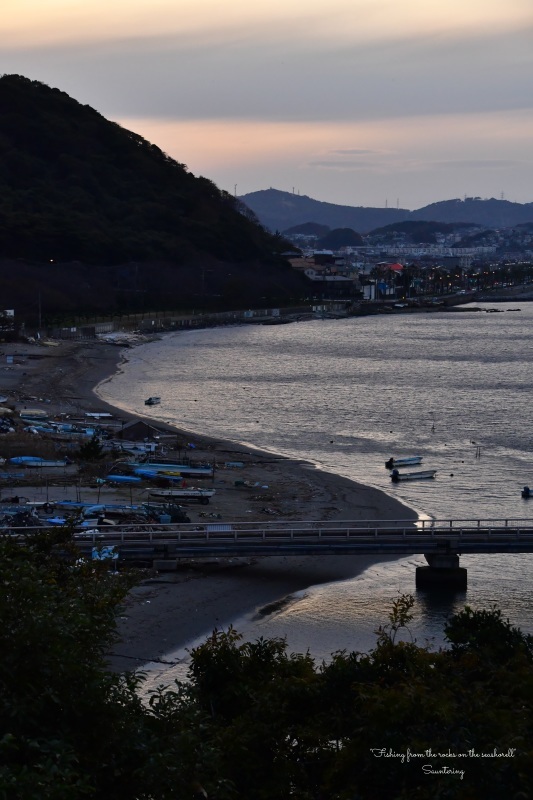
(75, 187)
(279, 210)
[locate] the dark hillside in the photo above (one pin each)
(75, 187)
(417, 231)
(340, 237)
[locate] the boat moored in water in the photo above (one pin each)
(403, 462)
(396, 475)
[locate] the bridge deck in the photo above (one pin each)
(189, 540)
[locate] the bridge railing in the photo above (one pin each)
(470, 524)
(290, 531)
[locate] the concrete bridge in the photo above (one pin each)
(441, 541)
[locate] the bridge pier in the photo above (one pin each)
(443, 572)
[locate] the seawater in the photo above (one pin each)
(454, 387)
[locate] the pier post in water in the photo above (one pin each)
(443, 572)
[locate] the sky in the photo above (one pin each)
(356, 102)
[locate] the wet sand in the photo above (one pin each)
(169, 610)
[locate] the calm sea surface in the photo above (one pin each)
(455, 388)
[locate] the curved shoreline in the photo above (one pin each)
(245, 588)
(169, 611)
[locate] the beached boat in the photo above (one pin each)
(123, 479)
(46, 464)
(33, 413)
(403, 462)
(169, 469)
(152, 401)
(90, 509)
(202, 495)
(150, 475)
(396, 475)
(34, 462)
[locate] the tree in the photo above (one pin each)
(283, 727)
(252, 720)
(68, 727)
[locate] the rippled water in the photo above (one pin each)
(348, 394)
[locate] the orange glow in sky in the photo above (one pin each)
(348, 99)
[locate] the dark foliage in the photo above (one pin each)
(308, 229)
(253, 721)
(75, 187)
(417, 231)
(340, 237)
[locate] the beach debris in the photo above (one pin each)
(102, 553)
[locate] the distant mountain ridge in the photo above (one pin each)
(278, 211)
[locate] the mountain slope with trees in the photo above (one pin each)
(75, 187)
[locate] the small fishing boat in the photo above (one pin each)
(396, 475)
(123, 479)
(403, 462)
(176, 470)
(526, 492)
(202, 495)
(152, 401)
(33, 413)
(36, 462)
(46, 464)
(148, 475)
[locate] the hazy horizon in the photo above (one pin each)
(355, 102)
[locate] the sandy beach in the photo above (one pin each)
(169, 610)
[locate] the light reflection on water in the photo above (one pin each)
(347, 395)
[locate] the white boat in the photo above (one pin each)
(396, 475)
(202, 495)
(408, 461)
(152, 401)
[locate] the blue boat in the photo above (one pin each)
(23, 459)
(172, 468)
(123, 479)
